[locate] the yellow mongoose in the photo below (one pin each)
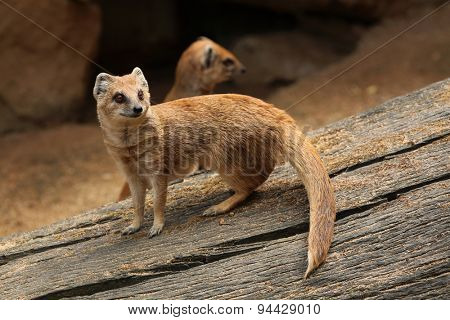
(202, 66)
(240, 137)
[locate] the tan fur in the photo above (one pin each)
(202, 66)
(241, 138)
(195, 77)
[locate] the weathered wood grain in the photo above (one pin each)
(390, 170)
(386, 256)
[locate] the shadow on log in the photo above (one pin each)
(390, 168)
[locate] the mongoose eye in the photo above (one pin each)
(141, 95)
(119, 98)
(228, 62)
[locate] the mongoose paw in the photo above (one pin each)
(130, 230)
(210, 212)
(155, 230)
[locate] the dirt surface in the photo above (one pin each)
(417, 58)
(50, 174)
(54, 173)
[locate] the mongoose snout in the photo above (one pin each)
(137, 110)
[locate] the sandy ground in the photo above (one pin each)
(54, 173)
(51, 174)
(417, 58)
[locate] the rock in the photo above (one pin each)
(279, 58)
(43, 81)
(363, 10)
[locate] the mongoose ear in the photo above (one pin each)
(137, 72)
(101, 84)
(203, 38)
(208, 57)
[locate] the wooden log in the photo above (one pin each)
(390, 167)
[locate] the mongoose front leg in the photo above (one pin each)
(137, 188)
(159, 184)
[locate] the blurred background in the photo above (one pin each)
(53, 163)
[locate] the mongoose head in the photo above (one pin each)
(122, 100)
(209, 63)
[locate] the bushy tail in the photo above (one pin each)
(305, 159)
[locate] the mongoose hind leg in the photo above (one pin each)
(242, 185)
(124, 192)
(227, 204)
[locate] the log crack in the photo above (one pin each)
(389, 155)
(4, 259)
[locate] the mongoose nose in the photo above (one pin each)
(137, 110)
(243, 70)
